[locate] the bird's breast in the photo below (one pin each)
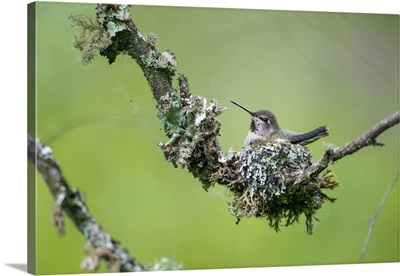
(253, 138)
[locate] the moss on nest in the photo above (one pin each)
(268, 188)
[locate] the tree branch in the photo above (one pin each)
(70, 201)
(276, 181)
(367, 139)
(158, 67)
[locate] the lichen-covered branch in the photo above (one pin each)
(123, 37)
(275, 181)
(69, 200)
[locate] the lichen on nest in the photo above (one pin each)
(269, 190)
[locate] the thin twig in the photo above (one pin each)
(367, 139)
(373, 219)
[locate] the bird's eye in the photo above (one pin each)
(264, 119)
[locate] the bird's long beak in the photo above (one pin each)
(241, 106)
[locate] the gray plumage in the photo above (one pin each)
(265, 128)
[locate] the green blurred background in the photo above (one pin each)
(309, 68)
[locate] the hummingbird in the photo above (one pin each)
(264, 128)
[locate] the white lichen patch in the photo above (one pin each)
(166, 59)
(269, 190)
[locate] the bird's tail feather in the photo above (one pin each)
(309, 137)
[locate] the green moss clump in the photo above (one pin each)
(268, 188)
